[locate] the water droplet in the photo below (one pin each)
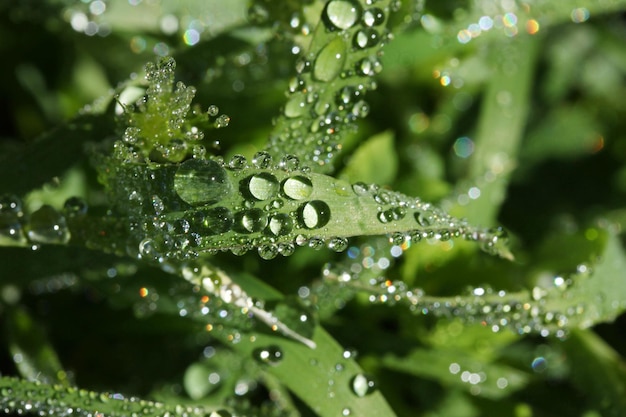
(346, 95)
(237, 162)
(360, 188)
(148, 250)
(250, 221)
(222, 121)
(289, 163)
(271, 355)
(213, 110)
(48, 226)
(75, 206)
(296, 106)
(338, 244)
(330, 60)
(286, 249)
(362, 385)
(373, 17)
(261, 186)
(268, 251)
(10, 213)
(341, 14)
(361, 109)
(280, 224)
(422, 219)
(314, 214)
(262, 160)
(366, 38)
(201, 182)
(297, 187)
(217, 220)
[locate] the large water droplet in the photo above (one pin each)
(48, 226)
(250, 221)
(271, 355)
(297, 187)
(362, 385)
(330, 60)
(217, 220)
(314, 214)
(201, 182)
(261, 186)
(280, 224)
(341, 14)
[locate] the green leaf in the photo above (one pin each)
(375, 161)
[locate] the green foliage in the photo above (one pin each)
(234, 227)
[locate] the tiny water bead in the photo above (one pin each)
(330, 61)
(201, 182)
(261, 186)
(297, 187)
(314, 214)
(341, 14)
(270, 355)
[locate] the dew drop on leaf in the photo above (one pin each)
(297, 187)
(268, 251)
(217, 220)
(366, 38)
(296, 106)
(237, 162)
(314, 214)
(261, 186)
(271, 355)
(341, 14)
(338, 244)
(362, 385)
(373, 17)
(262, 160)
(280, 224)
(48, 226)
(250, 221)
(201, 182)
(10, 213)
(75, 206)
(330, 60)
(422, 219)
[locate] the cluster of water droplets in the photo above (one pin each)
(26, 397)
(163, 125)
(534, 311)
(326, 95)
(45, 225)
